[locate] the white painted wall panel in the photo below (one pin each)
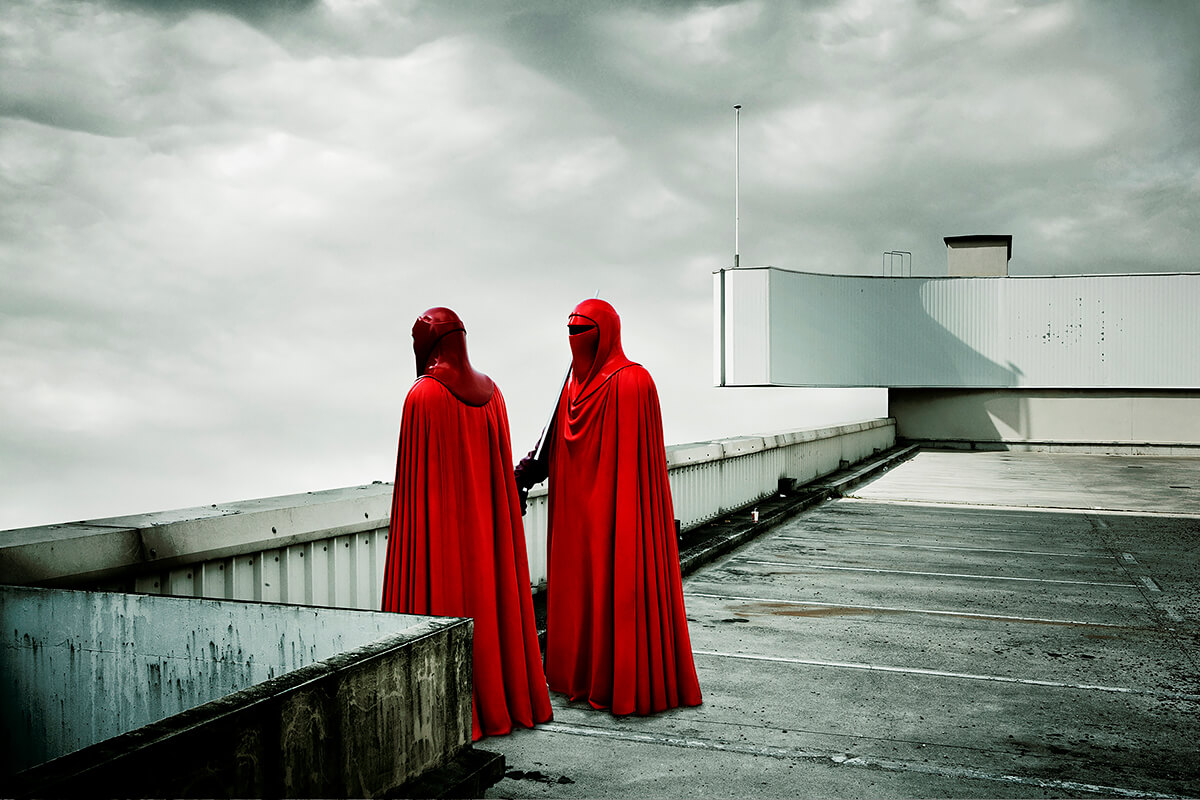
(1092, 331)
(747, 342)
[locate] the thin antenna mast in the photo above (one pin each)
(737, 182)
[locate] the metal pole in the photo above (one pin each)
(737, 181)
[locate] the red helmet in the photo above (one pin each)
(440, 347)
(428, 330)
(595, 331)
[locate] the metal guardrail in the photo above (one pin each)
(328, 548)
(895, 265)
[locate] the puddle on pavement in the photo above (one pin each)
(801, 610)
(794, 610)
(536, 776)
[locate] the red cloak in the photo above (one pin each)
(617, 631)
(456, 544)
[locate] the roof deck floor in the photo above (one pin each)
(967, 624)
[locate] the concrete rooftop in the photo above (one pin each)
(967, 624)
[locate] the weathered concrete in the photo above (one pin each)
(75, 554)
(965, 625)
(155, 696)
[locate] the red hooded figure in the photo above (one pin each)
(616, 628)
(456, 545)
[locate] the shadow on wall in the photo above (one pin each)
(837, 330)
(963, 415)
(1011, 410)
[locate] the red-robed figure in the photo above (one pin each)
(456, 545)
(616, 628)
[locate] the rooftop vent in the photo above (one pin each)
(978, 255)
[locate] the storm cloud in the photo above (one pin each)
(218, 220)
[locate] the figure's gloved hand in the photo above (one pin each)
(528, 473)
(521, 471)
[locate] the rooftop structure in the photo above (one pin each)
(1092, 361)
(785, 328)
(978, 255)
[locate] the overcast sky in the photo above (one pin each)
(217, 226)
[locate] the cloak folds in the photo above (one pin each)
(456, 545)
(616, 625)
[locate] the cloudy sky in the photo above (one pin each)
(218, 224)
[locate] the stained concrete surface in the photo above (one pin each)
(967, 624)
(116, 695)
(82, 667)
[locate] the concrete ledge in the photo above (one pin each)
(698, 453)
(358, 723)
(679, 455)
(93, 550)
(742, 446)
(839, 483)
(39, 555)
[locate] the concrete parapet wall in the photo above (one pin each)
(328, 548)
(155, 696)
(98, 549)
(713, 478)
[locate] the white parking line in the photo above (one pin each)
(930, 574)
(968, 614)
(1003, 507)
(821, 521)
(941, 547)
(936, 673)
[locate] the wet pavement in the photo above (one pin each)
(966, 624)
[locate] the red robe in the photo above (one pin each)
(617, 631)
(457, 547)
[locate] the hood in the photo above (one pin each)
(440, 348)
(595, 335)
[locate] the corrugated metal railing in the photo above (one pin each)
(328, 548)
(342, 571)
